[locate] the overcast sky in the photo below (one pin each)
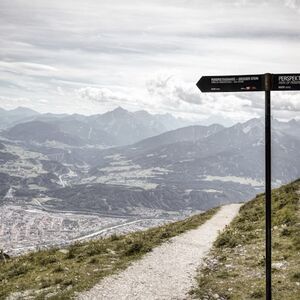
(92, 56)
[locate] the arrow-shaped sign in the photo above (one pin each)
(248, 83)
(286, 82)
(234, 83)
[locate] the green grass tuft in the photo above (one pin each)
(238, 254)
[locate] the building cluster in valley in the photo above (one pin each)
(28, 227)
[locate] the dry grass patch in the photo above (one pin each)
(60, 273)
(235, 268)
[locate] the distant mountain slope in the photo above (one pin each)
(195, 167)
(120, 200)
(38, 131)
(129, 127)
(124, 126)
(12, 117)
(198, 163)
(114, 128)
(88, 133)
(27, 173)
(291, 128)
(216, 151)
(185, 134)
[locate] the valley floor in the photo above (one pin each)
(29, 227)
(168, 271)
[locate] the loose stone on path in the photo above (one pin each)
(168, 271)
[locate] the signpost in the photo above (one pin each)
(256, 83)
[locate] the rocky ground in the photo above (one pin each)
(168, 271)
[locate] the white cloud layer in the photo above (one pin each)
(101, 95)
(91, 56)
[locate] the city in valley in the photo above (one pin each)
(68, 178)
(28, 227)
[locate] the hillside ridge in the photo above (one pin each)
(235, 267)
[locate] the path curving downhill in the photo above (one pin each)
(168, 271)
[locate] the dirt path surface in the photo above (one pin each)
(169, 270)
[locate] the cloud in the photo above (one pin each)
(288, 101)
(27, 68)
(102, 52)
(172, 93)
(43, 101)
(101, 95)
(293, 4)
(172, 89)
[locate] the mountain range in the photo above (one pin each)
(123, 162)
(114, 128)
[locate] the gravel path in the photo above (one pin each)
(169, 270)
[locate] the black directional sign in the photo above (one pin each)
(234, 83)
(249, 83)
(254, 83)
(286, 82)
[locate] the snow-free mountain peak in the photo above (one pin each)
(24, 110)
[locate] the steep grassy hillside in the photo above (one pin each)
(59, 273)
(235, 267)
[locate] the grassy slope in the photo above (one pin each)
(235, 267)
(81, 266)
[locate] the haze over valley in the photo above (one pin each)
(72, 177)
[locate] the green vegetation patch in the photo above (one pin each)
(235, 267)
(60, 273)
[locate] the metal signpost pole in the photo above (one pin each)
(257, 83)
(268, 188)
